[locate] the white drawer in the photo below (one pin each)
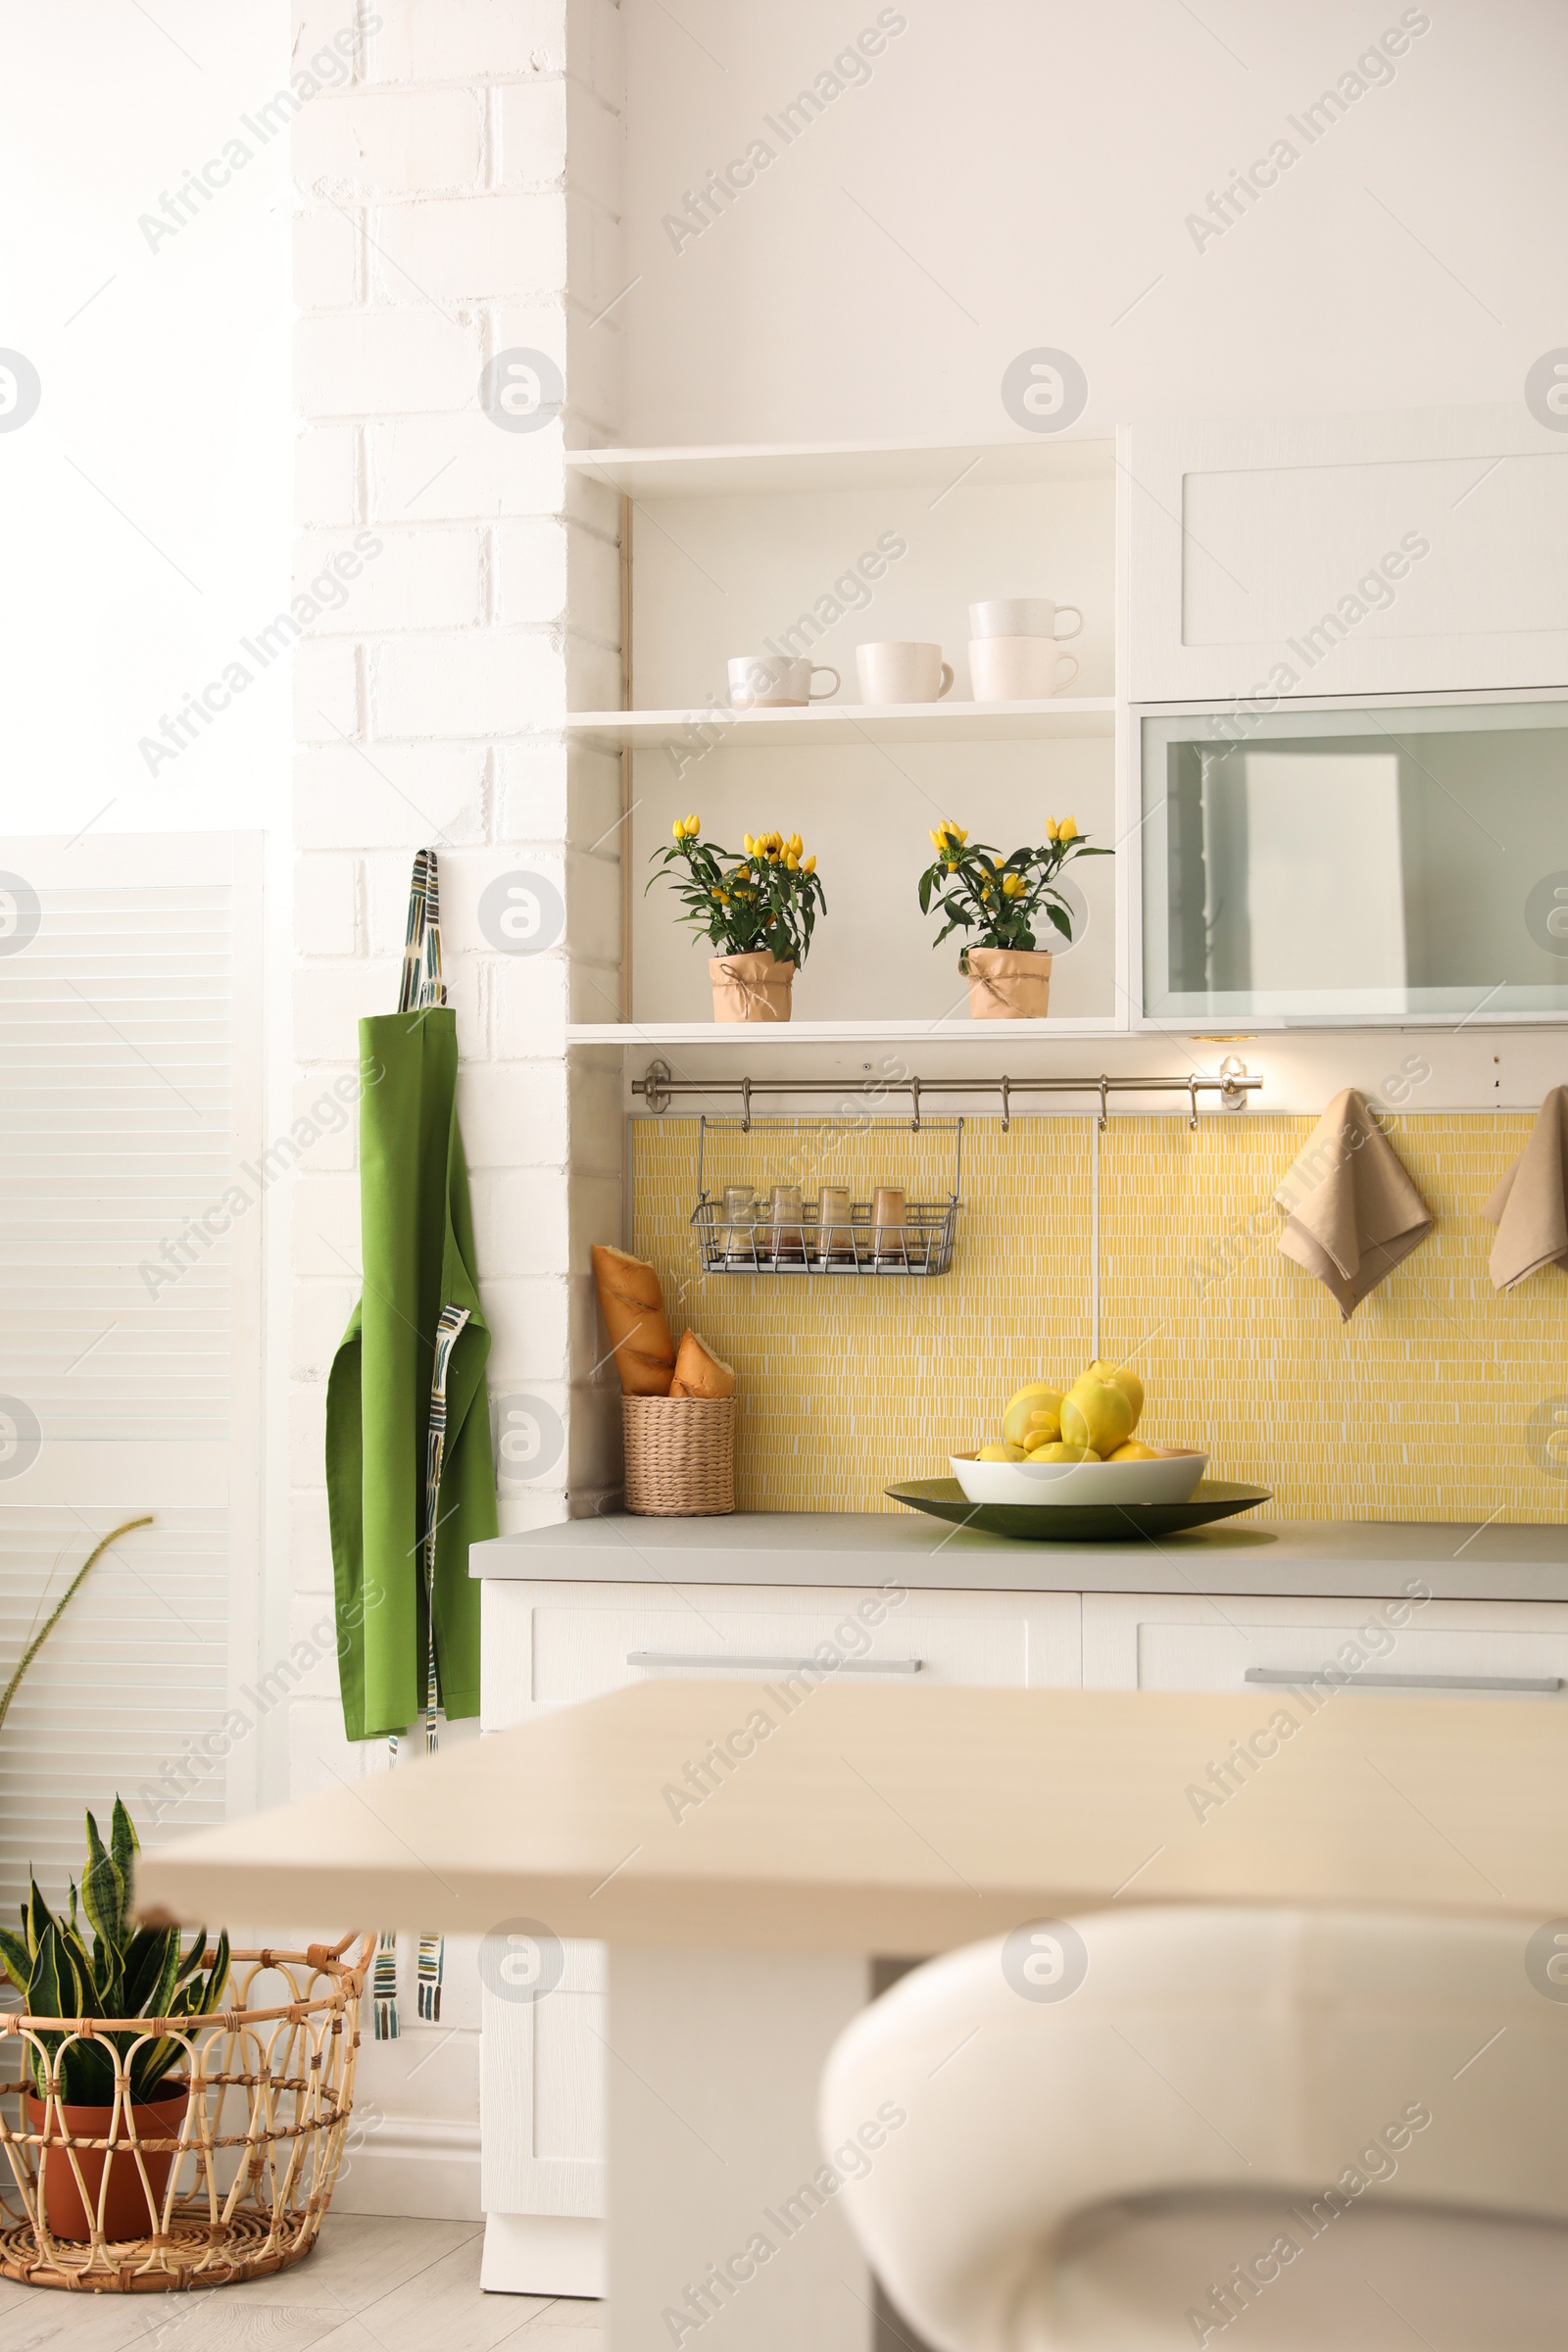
(1153, 1643)
(549, 1645)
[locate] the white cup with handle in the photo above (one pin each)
(758, 684)
(1023, 616)
(901, 670)
(1019, 670)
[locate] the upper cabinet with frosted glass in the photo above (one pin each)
(1368, 863)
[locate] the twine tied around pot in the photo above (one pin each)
(754, 986)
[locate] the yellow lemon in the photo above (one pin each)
(1060, 1452)
(1037, 1397)
(1000, 1453)
(1132, 1452)
(1121, 1378)
(1095, 1413)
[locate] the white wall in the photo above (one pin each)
(144, 504)
(444, 219)
(1017, 174)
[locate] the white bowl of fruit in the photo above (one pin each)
(1076, 1446)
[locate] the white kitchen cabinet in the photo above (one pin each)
(1156, 1642)
(1346, 554)
(550, 1645)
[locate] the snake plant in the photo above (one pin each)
(129, 1973)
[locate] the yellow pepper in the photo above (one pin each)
(1068, 830)
(808, 864)
(792, 861)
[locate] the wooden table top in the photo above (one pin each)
(908, 1822)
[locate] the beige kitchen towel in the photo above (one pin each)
(1530, 1206)
(1350, 1210)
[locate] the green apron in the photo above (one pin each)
(409, 1477)
(392, 1471)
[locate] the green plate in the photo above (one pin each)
(1078, 1523)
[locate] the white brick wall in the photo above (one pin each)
(458, 197)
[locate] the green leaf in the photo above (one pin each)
(151, 1956)
(36, 1915)
(104, 1891)
(51, 1986)
(123, 1842)
(1062, 923)
(16, 1959)
(87, 2002)
(193, 1958)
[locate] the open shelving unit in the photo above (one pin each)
(813, 549)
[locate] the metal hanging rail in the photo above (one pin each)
(1233, 1083)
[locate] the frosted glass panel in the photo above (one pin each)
(1357, 863)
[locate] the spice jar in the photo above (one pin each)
(888, 1217)
(835, 1236)
(788, 1219)
(740, 1222)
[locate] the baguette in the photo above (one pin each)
(633, 1307)
(699, 1372)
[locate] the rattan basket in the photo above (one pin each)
(250, 2173)
(681, 1455)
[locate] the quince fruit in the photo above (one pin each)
(1036, 1399)
(1060, 1452)
(1096, 1413)
(1119, 1378)
(1000, 1453)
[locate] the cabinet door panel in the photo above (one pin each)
(1360, 555)
(1155, 1643)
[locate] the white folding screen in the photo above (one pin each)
(130, 1250)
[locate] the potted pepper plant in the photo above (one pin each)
(757, 904)
(1004, 899)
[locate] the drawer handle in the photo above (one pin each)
(1412, 1682)
(703, 1657)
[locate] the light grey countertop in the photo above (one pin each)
(1321, 1559)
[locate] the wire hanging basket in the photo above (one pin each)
(849, 1237)
(226, 2176)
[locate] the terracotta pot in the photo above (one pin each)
(126, 2210)
(1008, 984)
(750, 988)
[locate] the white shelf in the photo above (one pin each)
(827, 723)
(746, 1035)
(719, 472)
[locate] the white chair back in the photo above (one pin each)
(1140, 2128)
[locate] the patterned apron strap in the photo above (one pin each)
(422, 983)
(432, 1948)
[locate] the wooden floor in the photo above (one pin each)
(371, 2285)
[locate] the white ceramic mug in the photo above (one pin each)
(1017, 670)
(758, 684)
(901, 670)
(1023, 616)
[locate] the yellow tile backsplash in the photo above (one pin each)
(1438, 1400)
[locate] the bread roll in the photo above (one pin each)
(633, 1307)
(699, 1372)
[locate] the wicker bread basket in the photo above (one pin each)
(681, 1455)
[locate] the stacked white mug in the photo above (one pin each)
(1014, 649)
